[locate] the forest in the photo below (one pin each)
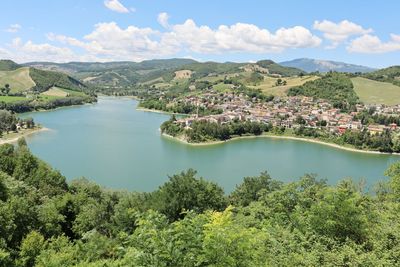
(335, 87)
(190, 221)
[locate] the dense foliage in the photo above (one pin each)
(179, 107)
(337, 88)
(190, 222)
(44, 80)
(203, 131)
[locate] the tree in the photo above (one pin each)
(31, 247)
(184, 192)
(394, 173)
(7, 88)
(249, 190)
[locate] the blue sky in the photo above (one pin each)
(360, 32)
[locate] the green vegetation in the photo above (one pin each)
(211, 68)
(25, 89)
(189, 221)
(179, 107)
(45, 102)
(337, 88)
(45, 80)
(270, 85)
(10, 123)
(10, 99)
(19, 80)
(204, 131)
(391, 75)
(7, 65)
(375, 92)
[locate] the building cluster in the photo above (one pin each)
(288, 112)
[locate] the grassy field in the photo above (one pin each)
(54, 91)
(19, 80)
(10, 99)
(268, 85)
(60, 92)
(374, 92)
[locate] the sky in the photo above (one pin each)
(354, 31)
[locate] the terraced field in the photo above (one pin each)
(374, 92)
(19, 80)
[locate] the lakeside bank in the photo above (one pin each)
(13, 137)
(302, 139)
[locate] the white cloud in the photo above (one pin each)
(13, 28)
(239, 37)
(163, 19)
(339, 32)
(20, 51)
(108, 41)
(372, 44)
(133, 43)
(116, 6)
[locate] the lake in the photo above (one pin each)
(119, 147)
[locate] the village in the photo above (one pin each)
(288, 112)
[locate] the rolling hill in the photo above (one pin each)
(313, 65)
(115, 74)
(6, 65)
(23, 79)
(375, 92)
(19, 79)
(390, 74)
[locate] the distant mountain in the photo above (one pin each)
(120, 74)
(72, 67)
(311, 65)
(275, 68)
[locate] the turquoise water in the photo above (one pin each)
(119, 147)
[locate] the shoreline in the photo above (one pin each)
(160, 111)
(27, 132)
(302, 139)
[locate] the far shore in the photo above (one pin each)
(210, 143)
(13, 137)
(160, 111)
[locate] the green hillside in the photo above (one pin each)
(6, 64)
(44, 80)
(337, 88)
(390, 74)
(19, 80)
(375, 92)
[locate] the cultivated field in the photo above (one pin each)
(55, 91)
(10, 99)
(268, 85)
(183, 74)
(374, 92)
(19, 80)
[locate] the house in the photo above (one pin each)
(342, 129)
(376, 129)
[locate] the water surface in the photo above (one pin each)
(120, 147)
